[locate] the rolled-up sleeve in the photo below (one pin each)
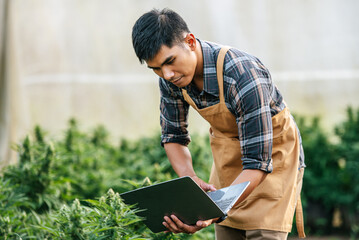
(173, 115)
(250, 97)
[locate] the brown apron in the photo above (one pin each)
(272, 204)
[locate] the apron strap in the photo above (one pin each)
(220, 62)
(299, 219)
(188, 99)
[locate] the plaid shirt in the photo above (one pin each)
(250, 96)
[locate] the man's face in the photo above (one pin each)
(176, 65)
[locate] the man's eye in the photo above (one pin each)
(171, 61)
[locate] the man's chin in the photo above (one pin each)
(182, 83)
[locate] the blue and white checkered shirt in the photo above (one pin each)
(249, 94)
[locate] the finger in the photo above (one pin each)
(212, 188)
(184, 227)
(207, 187)
(168, 228)
(204, 224)
(179, 224)
(170, 225)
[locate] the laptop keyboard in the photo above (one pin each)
(223, 203)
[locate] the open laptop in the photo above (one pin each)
(183, 198)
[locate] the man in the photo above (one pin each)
(253, 136)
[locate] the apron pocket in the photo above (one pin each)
(273, 185)
(228, 165)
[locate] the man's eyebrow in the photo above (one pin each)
(164, 62)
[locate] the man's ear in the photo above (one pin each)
(191, 41)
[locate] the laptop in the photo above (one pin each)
(183, 198)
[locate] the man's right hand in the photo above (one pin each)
(205, 186)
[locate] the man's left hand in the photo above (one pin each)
(173, 224)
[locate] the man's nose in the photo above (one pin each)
(168, 74)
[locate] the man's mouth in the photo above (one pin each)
(176, 80)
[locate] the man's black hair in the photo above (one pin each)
(154, 29)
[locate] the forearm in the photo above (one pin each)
(180, 159)
(254, 176)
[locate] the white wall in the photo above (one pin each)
(75, 58)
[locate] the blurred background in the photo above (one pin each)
(74, 58)
(62, 59)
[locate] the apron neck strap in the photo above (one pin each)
(220, 63)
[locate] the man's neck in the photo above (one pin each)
(198, 75)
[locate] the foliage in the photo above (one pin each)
(54, 191)
(31, 177)
(38, 194)
(348, 151)
(331, 182)
(321, 160)
(107, 218)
